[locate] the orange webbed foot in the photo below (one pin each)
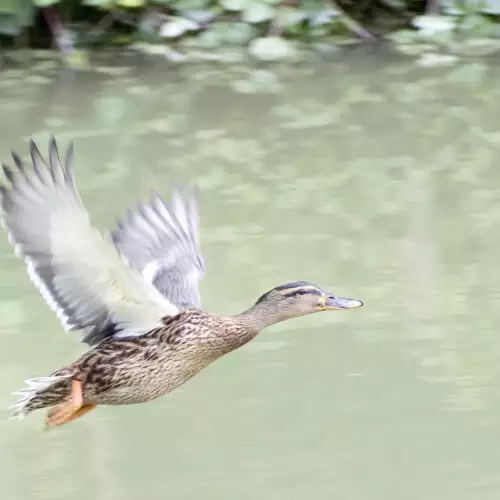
(70, 410)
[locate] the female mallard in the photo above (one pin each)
(134, 295)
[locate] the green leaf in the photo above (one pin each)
(312, 5)
(7, 7)
(45, 3)
(287, 16)
(433, 24)
(323, 17)
(9, 25)
(16, 15)
(177, 26)
(258, 13)
(26, 13)
(192, 4)
(227, 34)
(16, 8)
(234, 5)
(209, 39)
(239, 34)
(97, 3)
(131, 4)
(454, 7)
(271, 48)
(199, 16)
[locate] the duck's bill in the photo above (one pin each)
(333, 303)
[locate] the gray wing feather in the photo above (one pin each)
(79, 273)
(161, 241)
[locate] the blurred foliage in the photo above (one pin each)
(267, 27)
(16, 15)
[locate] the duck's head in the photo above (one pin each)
(295, 299)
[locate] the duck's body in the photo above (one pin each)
(134, 296)
(142, 368)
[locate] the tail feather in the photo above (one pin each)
(39, 393)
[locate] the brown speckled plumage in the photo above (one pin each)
(140, 369)
(134, 296)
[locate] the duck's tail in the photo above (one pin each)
(40, 393)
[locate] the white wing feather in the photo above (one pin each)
(79, 272)
(161, 241)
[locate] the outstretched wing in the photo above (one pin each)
(79, 273)
(161, 242)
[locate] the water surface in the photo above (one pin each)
(375, 179)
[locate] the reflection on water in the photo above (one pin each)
(365, 175)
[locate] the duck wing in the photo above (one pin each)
(79, 273)
(161, 241)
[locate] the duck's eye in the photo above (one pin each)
(301, 292)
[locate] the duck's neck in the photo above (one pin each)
(260, 316)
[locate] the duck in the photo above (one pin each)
(132, 294)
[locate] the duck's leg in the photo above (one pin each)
(69, 410)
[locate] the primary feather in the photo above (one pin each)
(161, 242)
(79, 273)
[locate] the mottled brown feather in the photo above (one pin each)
(140, 369)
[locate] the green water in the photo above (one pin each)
(373, 178)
